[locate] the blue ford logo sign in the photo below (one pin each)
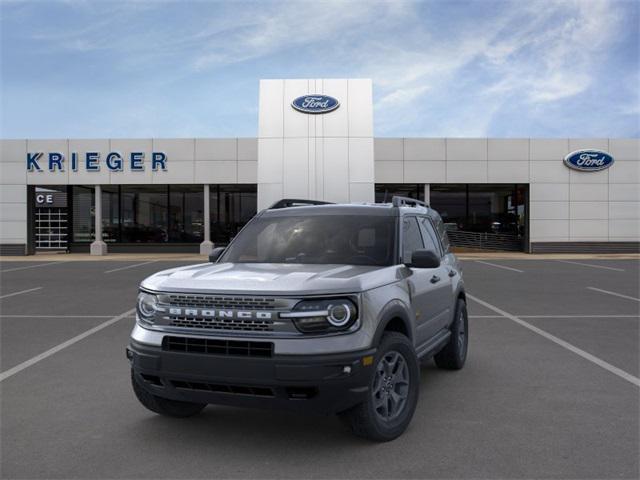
(315, 104)
(588, 160)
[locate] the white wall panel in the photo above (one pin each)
(577, 176)
(181, 149)
(45, 177)
(625, 172)
(466, 172)
(125, 147)
(13, 231)
(13, 194)
(548, 172)
(270, 109)
(588, 211)
(466, 149)
(549, 192)
(213, 149)
(548, 148)
(270, 164)
(360, 108)
(360, 160)
(389, 172)
(549, 230)
(247, 149)
(421, 172)
(247, 172)
(336, 123)
(425, 172)
(13, 151)
(507, 171)
(549, 210)
(388, 149)
(624, 192)
(595, 192)
(296, 167)
(336, 167)
(296, 124)
(179, 172)
(13, 173)
(508, 149)
(419, 149)
(592, 230)
(13, 212)
(360, 192)
(216, 172)
(624, 229)
(581, 143)
(625, 148)
(624, 210)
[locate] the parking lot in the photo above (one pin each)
(550, 389)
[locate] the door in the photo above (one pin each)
(443, 302)
(427, 286)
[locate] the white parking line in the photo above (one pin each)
(32, 361)
(572, 348)
(130, 266)
(592, 266)
(553, 316)
(33, 266)
(20, 292)
(500, 266)
(614, 294)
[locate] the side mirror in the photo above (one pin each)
(424, 259)
(216, 253)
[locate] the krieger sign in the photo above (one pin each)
(91, 161)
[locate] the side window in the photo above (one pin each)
(430, 238)
(411, 238)
(443, 233)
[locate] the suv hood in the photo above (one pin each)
(271, 278)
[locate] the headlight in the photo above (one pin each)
(147, 306)
(324, 315)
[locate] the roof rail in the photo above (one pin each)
(295, 202)
(397, 201)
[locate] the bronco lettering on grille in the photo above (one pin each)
(241, 314)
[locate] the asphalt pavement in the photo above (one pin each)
(550, 389)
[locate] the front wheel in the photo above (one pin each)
(393, 392)
(454, 353)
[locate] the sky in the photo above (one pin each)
(96, 69)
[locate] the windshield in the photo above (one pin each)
(324, 239)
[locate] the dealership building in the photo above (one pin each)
(315, 141)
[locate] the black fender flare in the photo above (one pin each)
(393, 309)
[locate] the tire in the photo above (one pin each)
(164, 406)
(454, 353)
(384, 416)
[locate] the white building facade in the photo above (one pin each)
(189, 194)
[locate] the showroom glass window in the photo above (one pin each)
(232, 206)
(83, 215)
(186, 213)
(144, 210)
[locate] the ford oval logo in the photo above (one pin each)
(315, 104)
(588, 160)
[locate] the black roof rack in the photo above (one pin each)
(296, 202)
(397, 201)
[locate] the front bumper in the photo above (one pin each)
(318, 383)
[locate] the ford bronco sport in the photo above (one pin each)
(312, 306)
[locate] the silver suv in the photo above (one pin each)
(313, 306)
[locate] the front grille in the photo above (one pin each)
(207, 323)
(221, 302)
(218, 347)
(232, 389)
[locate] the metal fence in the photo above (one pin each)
(483, 240)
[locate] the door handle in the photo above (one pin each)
(452, 273)
(435, 279)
